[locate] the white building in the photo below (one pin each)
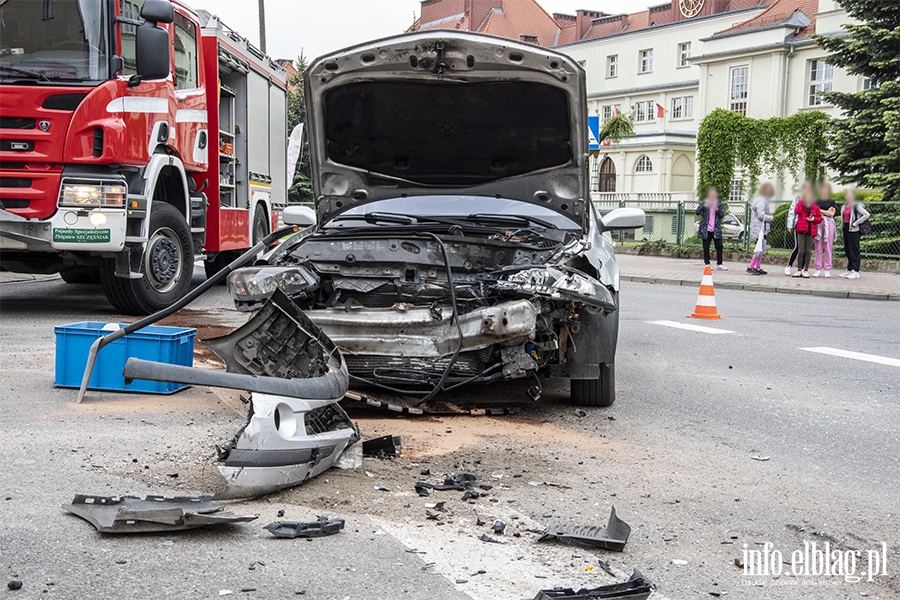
(670, 66)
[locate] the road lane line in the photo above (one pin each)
(882, 360)
(690, 327)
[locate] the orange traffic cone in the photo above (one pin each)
(706, 300)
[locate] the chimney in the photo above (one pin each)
(563, 21)
(529, 38)
(479, 10)
(583, 21)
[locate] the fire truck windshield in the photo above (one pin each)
(55, 40)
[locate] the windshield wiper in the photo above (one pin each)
(510, 219)
(26, 72)
(377, 217)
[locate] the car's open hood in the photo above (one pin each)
(444, 112)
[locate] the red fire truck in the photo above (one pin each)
(136, 136)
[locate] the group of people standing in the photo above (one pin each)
(811, 220)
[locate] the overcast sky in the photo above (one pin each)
(316, 27)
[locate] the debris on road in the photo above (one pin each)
(638, 587)
(293, 529)
(387, 446)
(295, 428)
(130, 514)
(461, 483)
(679, 562)
(760, 458)
(14, 584)
(486, 538)
(381, 488)
(499, 527)
(612, 537)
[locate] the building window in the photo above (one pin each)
(185, 44)
(607, 112)
(647, 61)
(684, 54)
(645, 111)
(612, 66)
(643, 165)
(869, 84)
(737, 193)
(683, 107)
(739, 80)
(820, 76)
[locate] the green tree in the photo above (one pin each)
(866, 145)
(616, 128)
(300, 190)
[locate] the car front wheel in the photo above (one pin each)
(595, 392)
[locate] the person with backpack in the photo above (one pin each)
(854, 218)
(808, 218)
(711, 212)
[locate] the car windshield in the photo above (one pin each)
(454, 206)
(56, 40)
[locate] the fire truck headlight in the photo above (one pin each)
(88, 195)
(97, 218)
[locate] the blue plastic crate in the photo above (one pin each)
(171, 345)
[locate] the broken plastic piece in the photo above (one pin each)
(612, 537)
(294, 529)
(486, 538)
(499, 527)
(130, 514)
(382, 447)
(638, 587)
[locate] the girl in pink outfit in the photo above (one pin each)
(827, 231)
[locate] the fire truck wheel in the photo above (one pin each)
(260, 224)
(167, 266)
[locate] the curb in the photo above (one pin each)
(769, 288)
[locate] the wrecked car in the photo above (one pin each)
(454, 242)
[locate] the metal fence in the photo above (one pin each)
(674, 222)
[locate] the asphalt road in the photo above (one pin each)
(676, 459)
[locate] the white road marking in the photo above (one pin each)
(882, 360)
(690, 327)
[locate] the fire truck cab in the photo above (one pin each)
(136, 136)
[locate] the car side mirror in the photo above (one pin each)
(623, 218)
(302, 216)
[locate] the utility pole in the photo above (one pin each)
(262, 25)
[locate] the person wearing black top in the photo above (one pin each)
(827, 231)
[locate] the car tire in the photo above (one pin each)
(595, 392)
(167, 266)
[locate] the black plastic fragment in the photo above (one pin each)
(499, 527)
(638, 587)
(422, 489)
(293, 529)
(486, 538)
(387, 446)
(612, 537)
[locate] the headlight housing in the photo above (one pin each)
(92, 195)
(253, 285)
(562, 284)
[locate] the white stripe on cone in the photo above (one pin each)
(707, 280)
(706, 300)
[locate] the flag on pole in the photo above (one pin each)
(660, 111)
(293, 152)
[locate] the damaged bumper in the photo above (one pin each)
(295, 429)
(404, 330)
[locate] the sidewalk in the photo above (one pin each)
(687, 272)
(10, 277)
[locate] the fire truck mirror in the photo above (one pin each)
(152, 49)
(158, 11)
